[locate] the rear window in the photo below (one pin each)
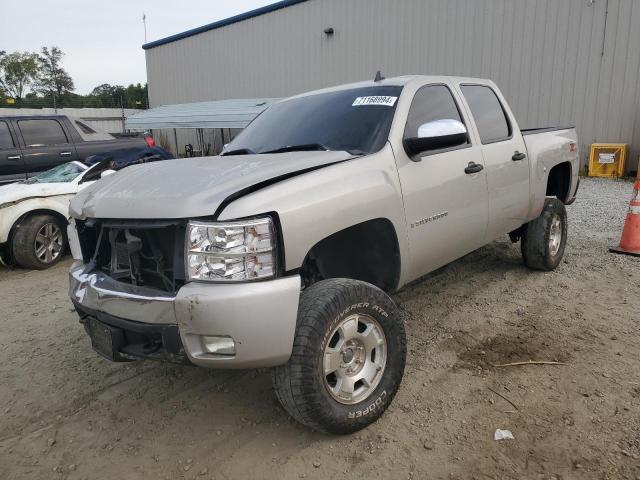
(84, 127)
(87, 132)
(488, 113)
(41, 132)
(5, 136)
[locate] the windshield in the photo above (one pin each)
(356, 120)
(67, 172)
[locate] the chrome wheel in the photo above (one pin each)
(555, 235)
(354, 359)
(49, 242)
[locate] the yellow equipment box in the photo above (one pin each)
(607, 160)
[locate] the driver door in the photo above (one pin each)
(446, 203)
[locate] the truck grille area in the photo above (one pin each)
(142, 253)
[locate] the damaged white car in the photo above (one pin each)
(34, 214)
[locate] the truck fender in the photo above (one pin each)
(313, 206)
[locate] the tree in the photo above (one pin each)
(136, 96)
(17, 72)
(106, 95)
(104, 90)
(53, 80)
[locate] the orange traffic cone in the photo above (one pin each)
(630, 241)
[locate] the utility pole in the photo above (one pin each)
(144, 22)
(122, 115)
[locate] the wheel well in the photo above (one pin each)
(367, 251)
(31, 213)
(559, 181)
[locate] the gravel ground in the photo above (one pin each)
(68, 414)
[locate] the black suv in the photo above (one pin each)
(31, 144)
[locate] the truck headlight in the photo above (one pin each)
(231, 251)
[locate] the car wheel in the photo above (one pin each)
(544, 239)
(39, 242)
(348, 357)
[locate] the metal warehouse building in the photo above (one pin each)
(558, 62)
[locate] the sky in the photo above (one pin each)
(102, 40)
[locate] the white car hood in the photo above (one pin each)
(18, 192)
(193, 187)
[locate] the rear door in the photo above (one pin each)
(505, 159)
(45, 144)
(446, 208)
(12, 166)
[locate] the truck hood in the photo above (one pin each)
(193, 187)
(18, 192)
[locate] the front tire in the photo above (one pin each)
(348, 357)
(544, 239)
(39, 242)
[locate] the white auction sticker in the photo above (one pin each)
(606, 158)
(384, 101)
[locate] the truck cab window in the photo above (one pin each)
(488, 113)
(5, 136)
(41, 132)
(432, 102)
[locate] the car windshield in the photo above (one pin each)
(356, 120)
(67, 172)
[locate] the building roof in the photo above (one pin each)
(214, 114)
(223, 23)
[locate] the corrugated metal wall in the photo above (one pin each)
(557, 61)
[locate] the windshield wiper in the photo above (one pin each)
(356, 152)
(239, 151)
(306, 147)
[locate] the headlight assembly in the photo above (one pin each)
(231, 251)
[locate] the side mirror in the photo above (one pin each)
(436, 135)
(106, 173)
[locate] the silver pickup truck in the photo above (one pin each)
(281, 252)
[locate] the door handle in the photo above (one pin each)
(14, 157)
(518, 156)
(65, 154)
(473, 168)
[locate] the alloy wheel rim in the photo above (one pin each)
(555, 236)
(354, 359)
(48, 243)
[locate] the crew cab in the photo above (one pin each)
(282, 251)
(35, 143)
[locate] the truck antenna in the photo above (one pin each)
(379, 77)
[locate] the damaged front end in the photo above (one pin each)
(130, 290)
(142, 261)
(141, 253)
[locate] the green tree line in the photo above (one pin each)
(37, 80)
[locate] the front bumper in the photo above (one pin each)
(259, 316)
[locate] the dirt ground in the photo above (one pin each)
(66, 413)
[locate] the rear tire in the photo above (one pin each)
(39, 242)
(544, 239)
(348, 357)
